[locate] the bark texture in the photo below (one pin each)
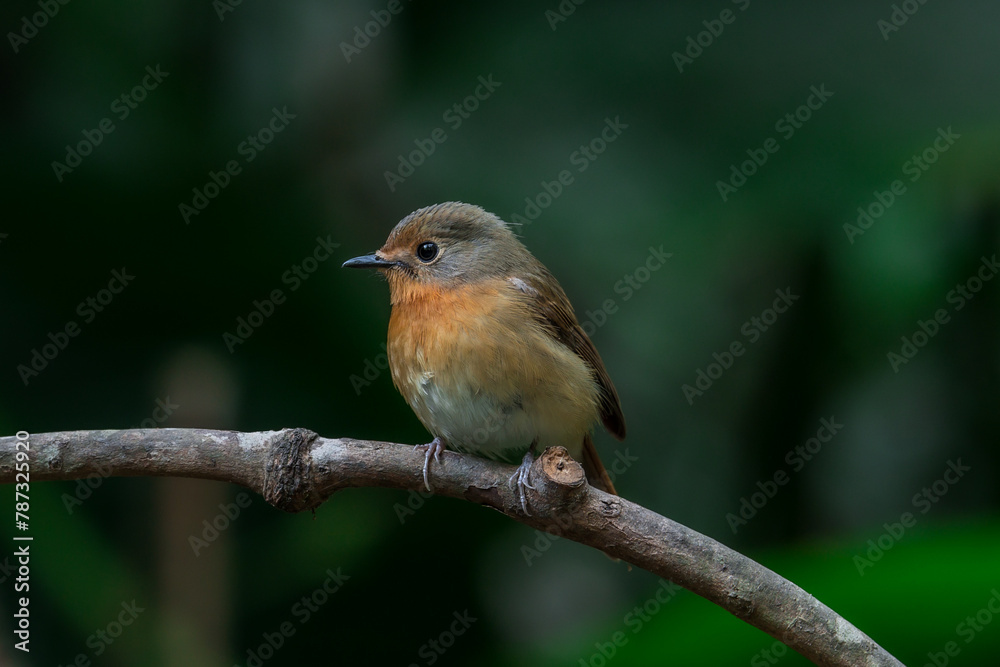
(296, 470)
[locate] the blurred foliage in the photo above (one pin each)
(227, 69)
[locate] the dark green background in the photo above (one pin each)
(655, 185)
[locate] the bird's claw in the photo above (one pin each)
(522, 477)
(431, 449)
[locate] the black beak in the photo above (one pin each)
(368, 262)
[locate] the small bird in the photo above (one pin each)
(485, 348)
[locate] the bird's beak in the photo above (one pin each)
(368, 262)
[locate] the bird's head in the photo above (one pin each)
(443, 246)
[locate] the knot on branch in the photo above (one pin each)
(288, 472)
(559, 480)
(560, 469)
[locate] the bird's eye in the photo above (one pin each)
(427, 251)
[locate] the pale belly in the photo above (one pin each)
(483, 375)
(480, 423)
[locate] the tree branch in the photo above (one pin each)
(295, 470)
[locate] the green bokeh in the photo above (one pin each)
(315, 361)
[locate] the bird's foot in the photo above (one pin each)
(432, 449)
(521, 476)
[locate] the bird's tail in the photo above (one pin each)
(596, 473)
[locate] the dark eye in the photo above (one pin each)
(427, 251)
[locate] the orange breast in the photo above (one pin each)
(480, 371)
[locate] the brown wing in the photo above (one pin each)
(596, 473)
(554, 309)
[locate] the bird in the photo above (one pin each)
(484, 346)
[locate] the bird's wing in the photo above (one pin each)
(553, 309)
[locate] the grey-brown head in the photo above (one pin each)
(448, 244)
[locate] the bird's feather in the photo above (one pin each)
(553, 308)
